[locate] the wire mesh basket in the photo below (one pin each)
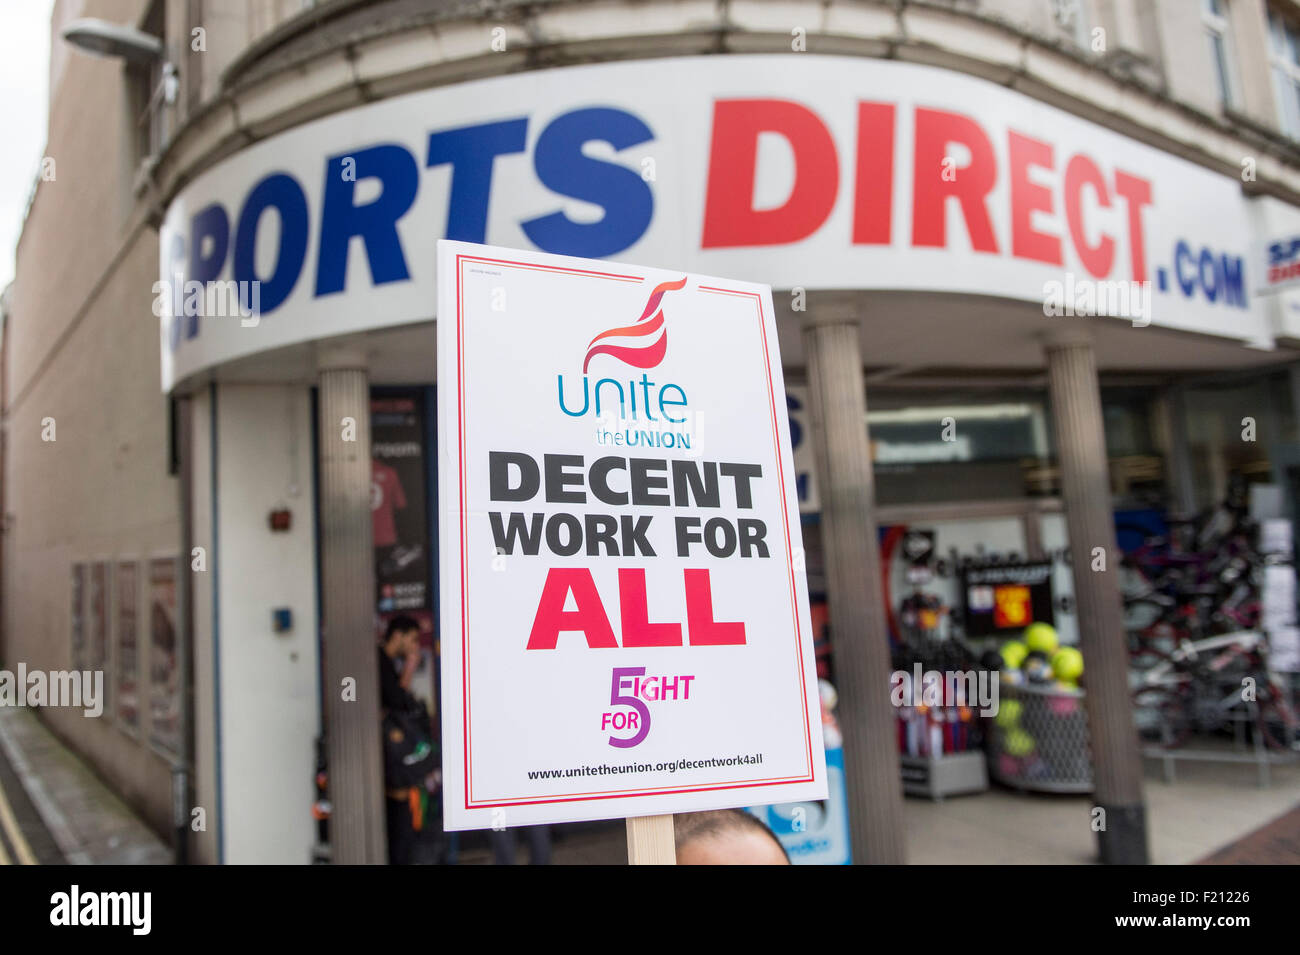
(1039, 739)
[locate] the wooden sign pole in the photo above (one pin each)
(650, 841)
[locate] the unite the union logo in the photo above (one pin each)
(636, 411)
(642, 344)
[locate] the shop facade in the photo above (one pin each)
(947, 199)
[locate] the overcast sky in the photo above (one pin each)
(24, 78)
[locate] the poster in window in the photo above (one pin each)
(1006, 597)
(97, 635)
(128, 655)
(397, 502)
(77, 631)
(164, 674)
(399, 519)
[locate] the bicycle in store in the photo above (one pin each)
(1214, 685)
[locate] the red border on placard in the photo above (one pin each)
(464, 567)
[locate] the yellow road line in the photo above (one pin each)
(4, 856)
(21, 848)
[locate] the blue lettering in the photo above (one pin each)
(664, 402)
(559, 384)
(622, 405)
(796, 430)
(472, 150)
(209, 242)
(604, 384)
(1183, 255)
(1207, 265)
(1234, 286)
(281, 192)
(621, 192)
(374, 222)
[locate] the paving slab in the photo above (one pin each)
(85, 819)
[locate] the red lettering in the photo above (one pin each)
(638, 631)
(552, 618)
(704, 630)
(873, 208)
(1136, 193)
(590, 618)
(1079, 172)
(729, 216)
(935, 130)
(1028, 197)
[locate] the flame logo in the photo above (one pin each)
(638, 354)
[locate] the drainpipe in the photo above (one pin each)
(183, 768)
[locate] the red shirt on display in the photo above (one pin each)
(386, 495)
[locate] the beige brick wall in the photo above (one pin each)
(78, 221)
(84, 351)
(100, 490)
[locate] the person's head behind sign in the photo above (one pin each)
(725, 837)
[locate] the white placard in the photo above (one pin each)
(625, 625)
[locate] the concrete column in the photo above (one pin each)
(859, 637)
(1178, 461)
(356, 774)
(1081, 439)
(183, 769)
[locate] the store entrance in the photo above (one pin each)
(403, 507)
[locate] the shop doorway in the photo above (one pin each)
(404, 515)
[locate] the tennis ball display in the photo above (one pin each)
(1042, 637)
(1013, 654)
(1037, 669)
(1063, 706)
(1067, 664)
(1018, 743)
(1008, 714)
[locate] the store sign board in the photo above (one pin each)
(828, 173)
(1275, 261)
(625, 627)
(1281, 266)
(1007, 597)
